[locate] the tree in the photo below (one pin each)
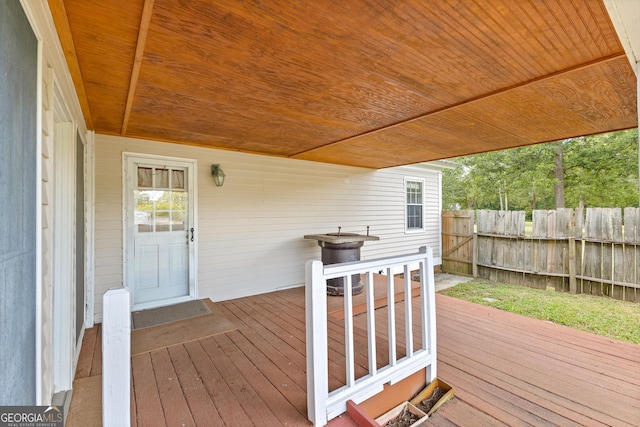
(599, 170)
(558, 163)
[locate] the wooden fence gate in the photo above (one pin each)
(457, 242)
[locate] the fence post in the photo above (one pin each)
(474, 267)
(317, 341)
(573, 285)
(116, 359)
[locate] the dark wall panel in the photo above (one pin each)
(18, 106)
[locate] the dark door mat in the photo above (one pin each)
(170, 313)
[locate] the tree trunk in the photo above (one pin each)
(534, 199)
(559, 176)
(506, 200)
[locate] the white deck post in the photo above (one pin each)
(116, 359)
(317, 353)
(427, 293)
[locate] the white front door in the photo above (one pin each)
(161, 230)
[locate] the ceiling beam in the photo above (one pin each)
(469, 101)
(137, 62)
(59, 15)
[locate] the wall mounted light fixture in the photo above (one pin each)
(218, 175)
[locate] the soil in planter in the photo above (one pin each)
(428, 403)
(405, 419)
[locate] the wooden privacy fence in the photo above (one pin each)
(592, 251)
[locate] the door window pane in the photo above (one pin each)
(145, 177)
(177, 179)
(177, 221)
(161, 202)
(162, 178)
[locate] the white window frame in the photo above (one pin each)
(412, 230)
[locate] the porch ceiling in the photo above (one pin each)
(365, 83)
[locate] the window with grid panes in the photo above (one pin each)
(414, 193)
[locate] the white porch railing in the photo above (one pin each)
(323, 405)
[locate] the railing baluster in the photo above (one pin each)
(391, 311)
(424, 307)
(371, 323)
(348, 331)
(408, 312)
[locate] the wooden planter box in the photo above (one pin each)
(393, 413)
(428, 392)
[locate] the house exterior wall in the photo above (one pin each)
(250, 231)
(52, 81)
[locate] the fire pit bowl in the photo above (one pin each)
(341, 247)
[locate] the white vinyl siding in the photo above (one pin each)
(414, 204)
(250, 231)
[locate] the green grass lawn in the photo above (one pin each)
(600, 315)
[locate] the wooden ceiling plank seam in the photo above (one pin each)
(605, 21)
(472, 100)
(581, 29)
(599, 21)
(451, 29)
(598, 37)
(558, 30)
(145, 21)
(524, 63)
(574, 29)
(535, 29)
(455, 33)
(59, 14)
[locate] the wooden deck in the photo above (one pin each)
(506, 370)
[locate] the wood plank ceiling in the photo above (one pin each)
(366, 83)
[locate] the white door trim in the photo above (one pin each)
(64, 256)
(128, 161)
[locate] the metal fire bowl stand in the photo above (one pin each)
(341, 247)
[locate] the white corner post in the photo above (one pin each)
(428, 302)
(317, 353)
(116, 359)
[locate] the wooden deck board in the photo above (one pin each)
(538, 363)
(546, 368)
(271, 392)
(148, 405)
(243, 394)
(226, 396)
(271, 344)
(198, 400)
(461, 413)
(172, 397)
(505, 369)
(85, 359)
(556, 358)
